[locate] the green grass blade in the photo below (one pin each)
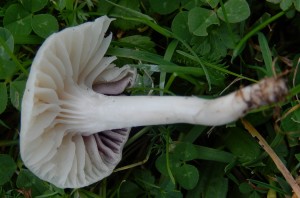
(211, 154)
(243, 41)
(138, 55)
(139, 17)
(216, 67)
(195, 71)
(266, 53)
(168, 56)
(13, 57)
(294, 91)
(267, 186)
(168, 139)
(194, 133)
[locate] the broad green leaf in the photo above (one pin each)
(180, 26)
(59, 4)
(16, 93)
(129, 189)
(44, 25)
(187, 176)
(142, 42)
(242, 145)
(104, 7)
(9, 40)
(291, 127)
(290, 122)
(3, 96)
(185, 151)
(245, 188)
(286, 4)
(260, 118)
(224, 36)
(199, 19)
(132, 5)
(297, 5)
(27, 180)
(297, 156)
(161, 163)
(212, 3)
(207, 46)
(34, 5)
(164, 6)
(216, 187)
(212, 183)
(188, 4)
(183, 2)
(144, 176)
(28, 39)
(7, 168)
(236, 11)
(167, 190)
(7, 69)
(17, 20)
(82, 193)
(254, 194)
(266, 53)
(274, 1)
(69, 4)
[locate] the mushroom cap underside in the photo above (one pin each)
(69, 68)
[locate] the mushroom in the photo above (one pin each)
(75, 122)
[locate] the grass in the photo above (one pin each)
(180, 47)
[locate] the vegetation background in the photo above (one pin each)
(203, 48)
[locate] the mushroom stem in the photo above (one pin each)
(129, 111)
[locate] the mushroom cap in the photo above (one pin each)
(57, 142)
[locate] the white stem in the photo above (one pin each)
(113, 112)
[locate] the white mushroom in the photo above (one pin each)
(74, 123)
